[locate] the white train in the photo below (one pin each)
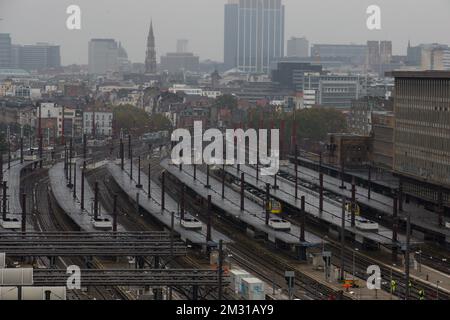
(364, 224)
(102, 223)
(191, 223)
(279, 224)
(30, 157)
(11, 223)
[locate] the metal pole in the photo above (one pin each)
(296, 171)
(121, 154)
(96, 201)
(369, 183)
(353, 204)
(223, 180)
(24, 212)
(183, 192)
(172, 222)
(21, 149)
(131, 164)
(275, 185)
(139, 185)
(75, 181)
(400, 195)
(303, 221)
(440, 208)
(267, 203)
(408, 238)
(343, 239)
(320, 191)
(115, 213)
(163, 175)
(149, 194)
(70, 163)
(220, 269)
(242, 191)
(208, 226)
(207, 177)
(85, 146)
(4, 203)
(394, 229)
(83, 172)
(129, 146)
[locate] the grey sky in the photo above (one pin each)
(201, 21)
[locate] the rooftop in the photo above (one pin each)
(420, 74)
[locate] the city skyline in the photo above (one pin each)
(206, 38)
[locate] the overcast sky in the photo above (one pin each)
(201, 21)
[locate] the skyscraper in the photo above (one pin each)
(103, 56)
(254, 34)
(5, 50)
(150, 57)
(298, 47)
(39, 56)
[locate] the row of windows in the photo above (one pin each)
(103, 117)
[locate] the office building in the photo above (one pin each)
(254, 34)
(432, 56)
(422, 133)
(290, 75)
(39, 56)
(349, 53)
(182, 45)
(103, 56)
(5, 51)
(298, 47)
(179, 62)
(98, 122)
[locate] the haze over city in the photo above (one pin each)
(201, 21)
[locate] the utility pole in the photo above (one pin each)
(220, 269)
(342, 276)
(407, 260)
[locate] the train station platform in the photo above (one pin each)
(332, 210)
(153, 205)
(421, 218)
(383, 180)
(12, 178)
(72, 205)
(253, 214)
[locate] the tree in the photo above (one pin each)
(135, 120)
(226, 101)
(313, 124)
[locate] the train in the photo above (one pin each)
(11, 223)
(191, 223)
(102, 223)
(361, 223)
(274, 207)
(155, 136)
(30, 157)
(279, 224)
(348, 208)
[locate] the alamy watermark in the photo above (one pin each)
(233, 146)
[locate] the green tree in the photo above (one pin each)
(137, 121)
(226, 101)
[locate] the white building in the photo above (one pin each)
(98, 123)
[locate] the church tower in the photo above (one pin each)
(150, 57)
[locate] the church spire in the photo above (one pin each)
(150, 57)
